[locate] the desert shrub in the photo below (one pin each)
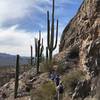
(70, 80)
(61, 67)
(46, 66)
(54, 62)
(45, 92)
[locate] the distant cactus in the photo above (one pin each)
(31, 55)
(50, 33)
(46, 54)
(38, 50)
(16, 76)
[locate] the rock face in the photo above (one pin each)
(79, 48)
(85, 23)
(82, 37)
(83, 32)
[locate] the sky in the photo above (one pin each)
(21, 20)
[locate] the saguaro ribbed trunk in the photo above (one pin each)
(16, 76)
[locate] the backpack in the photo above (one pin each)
(57, 79)
(61, 89)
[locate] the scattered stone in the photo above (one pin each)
(4, 95)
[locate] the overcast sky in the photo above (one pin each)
(20, 21)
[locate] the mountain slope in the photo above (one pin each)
(10, 60)
(82, 37)
(79, 50)
(82, 34)
(85, 23)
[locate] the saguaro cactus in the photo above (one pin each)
(31, 55)
(46, 54)
(50, 33)
(38, 50)
(16, 76)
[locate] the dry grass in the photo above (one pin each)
(70, 79)
(45, 92)
(46, 66)
(8, 72)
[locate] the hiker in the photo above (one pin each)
(60, 91)
(57, 80)
(52, 75)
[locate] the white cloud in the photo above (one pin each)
(15, 41)
(18, 41)
(12, 9)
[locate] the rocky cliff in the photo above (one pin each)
(83, 32)
(81, 39)
(85, 23)
(78, 60)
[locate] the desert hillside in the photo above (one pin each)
(77, 63)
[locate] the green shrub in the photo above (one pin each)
(46, 66)
(70, 80)
(61, 67)
(45, 92)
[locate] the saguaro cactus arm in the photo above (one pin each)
(48, 30)
(56, 37)
(31, 55)
(39, 35)
(36, 47)
(52, 26)
(41, 48)
(46, 53)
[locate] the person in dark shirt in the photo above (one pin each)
(57, 80)
(60, 91)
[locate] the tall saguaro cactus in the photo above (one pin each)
(50, 33)
(46, 54)
(16, 76)
(31, 55)
(38, 50)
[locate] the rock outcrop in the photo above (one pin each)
(85, 23)
(79, 49)
(83, 32)
(82, 37)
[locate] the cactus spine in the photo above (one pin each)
(16, 76)
(38, 50)
(31, 55)
(50, 33)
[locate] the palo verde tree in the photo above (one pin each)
(51, 46)
(38, 50)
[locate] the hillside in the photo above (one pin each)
(86, 23)
(81, 38)
(7, 67)
(10, 60)
(77, 63)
